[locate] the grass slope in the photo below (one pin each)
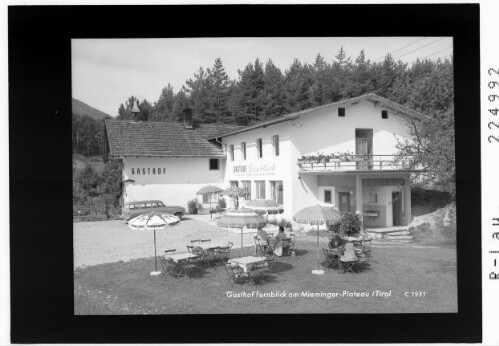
(127, 287)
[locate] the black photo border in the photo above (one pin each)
(39, 43)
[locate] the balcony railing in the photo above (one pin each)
(356, 163)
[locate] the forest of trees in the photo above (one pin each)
(262, 91)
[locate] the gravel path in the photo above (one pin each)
(112, 241)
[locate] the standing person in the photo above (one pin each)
(280, 244)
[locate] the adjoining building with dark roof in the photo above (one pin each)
(339, 154)
(165, 161)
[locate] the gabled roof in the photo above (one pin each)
(160, 139)
(389, 105)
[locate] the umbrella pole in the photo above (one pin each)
(155, 257)
(318, 268)
(242, 252)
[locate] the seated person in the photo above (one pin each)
(348, 254)
(336, 241)
(280, 245)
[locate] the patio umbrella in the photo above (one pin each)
(317, 215)
(153, 221)
(235, 192)
(209, 190)
(240, 219)
(264, 206)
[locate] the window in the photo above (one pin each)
(364, 148)
(243, 150)
(275, 144)
(247, 187)
(148, 205)
(231, 152)
(260, 189)
(341, 112)
(132, 206)
(259, 147)
(373, 197)
(206, 198)
(234, 183)
(327, 196)
(214, 164)
(277, 190)
(384, 114)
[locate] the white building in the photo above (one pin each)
(279, 159)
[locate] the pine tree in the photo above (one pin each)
(197, 90)
(274, 99)
(218, 91)
(163, 108)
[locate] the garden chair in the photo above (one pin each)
(286, 248)
(366, 247)
(235, 273)
(205, 241)
(169, 267)
(224, 252)
(259, 272)
(167, 252)
(259, 248)
(349, 267)
(188, 268)
(332, 258)
(292, 237)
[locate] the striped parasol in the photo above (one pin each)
(317, 215)
(264, 206)
(210, 190)
(153, 221)
(241, 218)
(235, 192)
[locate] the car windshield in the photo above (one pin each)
(161, 204)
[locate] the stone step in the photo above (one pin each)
(399, 233)
(387, 230)
(400, 237)
(395, 241)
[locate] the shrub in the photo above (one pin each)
(350, 224)
(421, 232)
(222, 203)
(272, 220)
(335, 227)
(284, 223)
(192, 206)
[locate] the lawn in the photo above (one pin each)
(427, 273)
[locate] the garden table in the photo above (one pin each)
(179, 257)
(246, 263)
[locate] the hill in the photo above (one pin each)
(82, 108)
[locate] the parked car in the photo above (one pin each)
(136, 208)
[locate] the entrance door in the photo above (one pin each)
(344, 198)
(397, 208)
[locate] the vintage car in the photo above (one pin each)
(136, 208)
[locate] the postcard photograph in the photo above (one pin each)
(264, 175)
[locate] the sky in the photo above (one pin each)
(105, 72)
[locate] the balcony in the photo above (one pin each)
(354, 163)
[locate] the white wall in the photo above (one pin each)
(325, 132)
(183, 178)
(321, 131)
